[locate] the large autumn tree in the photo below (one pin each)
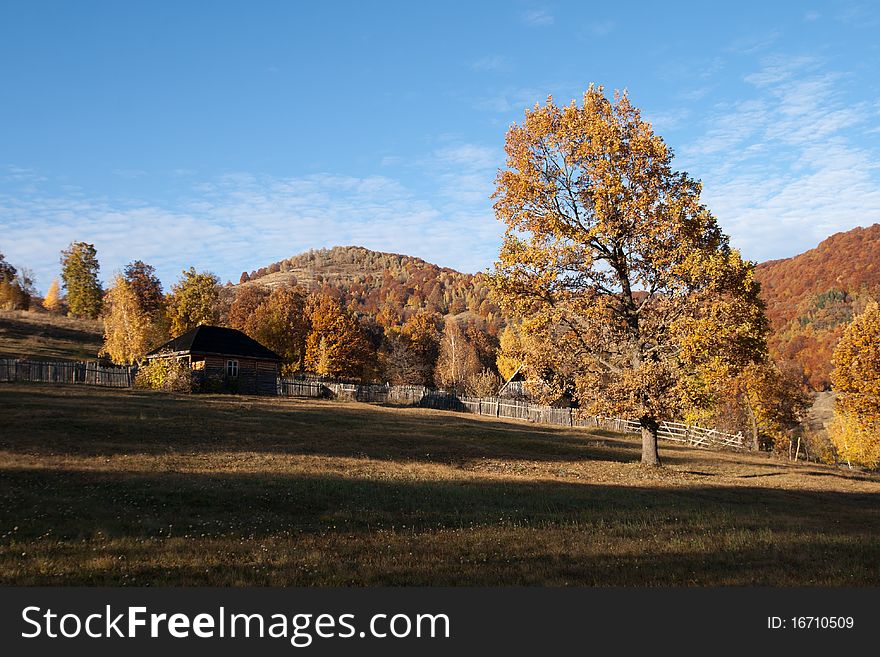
(130, 329)
(194, 300)
(79, 273)
(611, 257)
(146, 285)
(856, 379)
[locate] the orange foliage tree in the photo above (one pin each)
(335, 346)
(611, 254)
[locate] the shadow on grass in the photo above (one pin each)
(17, 330)
(71, 420)
(437, 531)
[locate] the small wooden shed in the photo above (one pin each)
(226, 356)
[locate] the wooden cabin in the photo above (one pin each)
(224, 359)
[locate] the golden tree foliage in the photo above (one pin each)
(483, 384)
(193, 301)
(856, 379)
(16, 289)
(511, 353)
(856, 439)
(610, 256)
(52, 300)
(129, 331)
(335, 346)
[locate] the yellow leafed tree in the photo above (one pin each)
(511, 354)
(129, 331)
(855, 430)
(52, 300)
(611, 256)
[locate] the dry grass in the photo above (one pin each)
(43, 336)
(122, 487)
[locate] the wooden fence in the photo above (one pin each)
(522, 410)
(297, 388)
(91, 373)
(506, 408)
(370, 393)
(83, 373)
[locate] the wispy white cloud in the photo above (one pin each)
(537, 18)
(859, 14)
(129, 174)
(509, 100)
(754, 43)
(489, 63)
(514, 100)
(785, 166)
(601, 28)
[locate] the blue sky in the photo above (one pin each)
(230, 135)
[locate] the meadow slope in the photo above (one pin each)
(104, 487)
(43, 336)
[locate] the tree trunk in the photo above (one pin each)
(649, 443)
(753, 424)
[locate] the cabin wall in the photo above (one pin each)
(255, 377)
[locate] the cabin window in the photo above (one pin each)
(232, 368)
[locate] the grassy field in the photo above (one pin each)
(122, 487)
(42, 336)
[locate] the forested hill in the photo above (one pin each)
(386, 285)
(810, 297)
(813, 296)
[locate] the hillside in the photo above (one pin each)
(813, 296)
(43, 336)
(386, 285)
(810, 297)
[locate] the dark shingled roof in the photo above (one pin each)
(216, 340)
